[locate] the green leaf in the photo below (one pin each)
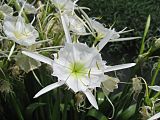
(145, 34)
(31, 108)
(96, 114)
(100, 97)
(16, 107)
(128, 113)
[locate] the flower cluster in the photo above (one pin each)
(75, 64)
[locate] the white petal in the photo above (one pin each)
(9, 23)
(20, 24)
(38, 57)
(91, 98)
(154, 117)
(11, 51)
(119, 67)
(105, 40)
(66, 31)
(73, 84)
(124, 39)
(156, 88)
(48, 88)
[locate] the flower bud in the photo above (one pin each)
(157, 43)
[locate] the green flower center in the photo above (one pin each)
(19, 35)
(78, 69)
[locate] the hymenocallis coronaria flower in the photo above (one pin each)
(78, 66)
(5, 10)
(17, 30)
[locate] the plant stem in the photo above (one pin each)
(16, 107)
(155, 76)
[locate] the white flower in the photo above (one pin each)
(74, 24)
(6, 10)
(106, 35)
(69, 19)
(17, 30)
(102, 32)
(79, 67)
(29, 8)
(64, 5)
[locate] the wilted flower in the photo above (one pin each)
(15, 70)
(5, 87)
(109, 84)
(17, 30)
(136, 86)
(156, 44)
(80, 100)
(26, 63)
(146, 112)
(79, 67)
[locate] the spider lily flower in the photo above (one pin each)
(29, 8)
(17, 30)
(78, 66)
(5, 10)
(74, 24)
(107, 34)
(101, 31)
(68, 17)
(65, 5)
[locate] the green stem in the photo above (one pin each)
(155, 76)
(157, 94)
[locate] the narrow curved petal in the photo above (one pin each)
(124, 39)
(91, 98)
(105, 40)
(38, 57)
(119, 67)
(48, 88)
(156, 88)
(155, 117)
(66, 30)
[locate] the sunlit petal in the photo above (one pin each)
(38, 57)
(119, 67)
(48, 88)
(156, 88)
(91, 98)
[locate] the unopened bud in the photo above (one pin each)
(157, 44)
